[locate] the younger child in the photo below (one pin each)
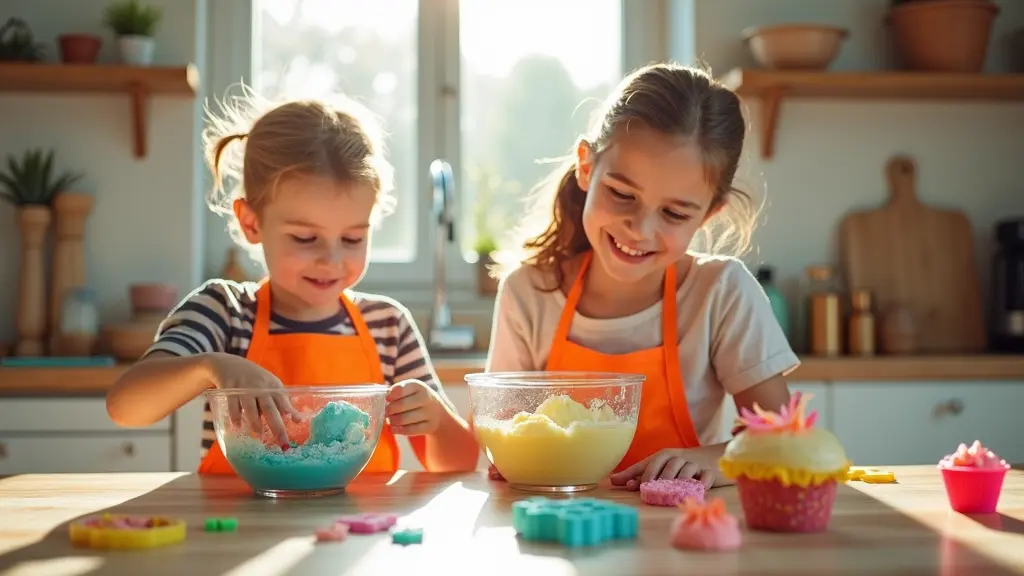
(609, 283)
(312, 179)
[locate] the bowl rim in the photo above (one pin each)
(556, 379)
(339, 390)
(752, 31)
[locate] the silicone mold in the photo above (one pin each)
(582, 522)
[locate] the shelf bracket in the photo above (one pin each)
(139, 96)
(771, 103)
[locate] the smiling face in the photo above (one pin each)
(315, 234)
(647, 195)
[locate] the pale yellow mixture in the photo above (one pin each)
(562, 443)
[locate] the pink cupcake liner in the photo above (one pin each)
(670, 492)
(768, 505)
(973, 490)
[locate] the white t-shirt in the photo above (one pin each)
(729, 340)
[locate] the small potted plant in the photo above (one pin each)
(18, 44)
(942, 35)
(79, 48)
(134, 24)
(30, 184)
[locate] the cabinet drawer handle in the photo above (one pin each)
(953, 406)
(129, 449)
(3, 450)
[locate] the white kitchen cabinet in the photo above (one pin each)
(893, 423)
(75, 435)
(820, 400)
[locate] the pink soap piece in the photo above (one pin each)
(336, 532)
(665, 492)
(369, 522)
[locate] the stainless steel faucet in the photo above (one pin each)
(443, 335)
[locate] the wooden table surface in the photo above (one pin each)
(904, 528)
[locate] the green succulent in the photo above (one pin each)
(484, 244)
(18, 44)
(132, 18)
(30, 180)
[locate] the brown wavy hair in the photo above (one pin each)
(255, 143)
(674, 100)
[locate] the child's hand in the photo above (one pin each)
(668, 463)
(413, 408)
(228, 371)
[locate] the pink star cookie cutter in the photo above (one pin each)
(368, 522)
(336, 532)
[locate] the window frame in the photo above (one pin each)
(232, 51)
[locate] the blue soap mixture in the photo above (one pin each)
(336, 451)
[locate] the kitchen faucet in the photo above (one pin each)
(443, 335)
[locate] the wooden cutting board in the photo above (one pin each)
(908, 253)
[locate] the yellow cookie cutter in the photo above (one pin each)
(165, 531)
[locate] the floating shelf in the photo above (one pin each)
(451, 371)
(772, 87)
(139, 83)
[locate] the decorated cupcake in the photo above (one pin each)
(785, 468)
(705, 526)
(974, 478)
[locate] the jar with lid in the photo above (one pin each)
(823, 324)
(79, 322)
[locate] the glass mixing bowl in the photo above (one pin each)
(554, 431)
(326, 449)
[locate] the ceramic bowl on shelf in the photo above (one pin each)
(326, 449)
(795, 46)
(554, 431)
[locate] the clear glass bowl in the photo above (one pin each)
(332, 443)
(554, 431)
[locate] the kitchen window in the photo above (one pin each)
(492, 87)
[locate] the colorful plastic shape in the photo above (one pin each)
(221, 524)
(369, 522)
(337, 532)
(581, 522)
(871, 475)
(671, 492)
(407, 536)
(122, 532)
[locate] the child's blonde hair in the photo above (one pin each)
(671, 99)
(256, 144)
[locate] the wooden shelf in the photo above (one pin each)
(138, 83)
(772, 87)
(451, 371)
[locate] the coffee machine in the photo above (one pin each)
(1007, 319)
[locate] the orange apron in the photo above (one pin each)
(664, 420)
(316, 360)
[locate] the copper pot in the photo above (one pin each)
(943, 35)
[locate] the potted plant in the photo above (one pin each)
(79, 48)
(18, 44)
(942, 35)
(29, 183)
(134, 24)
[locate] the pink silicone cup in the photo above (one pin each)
(973, 490)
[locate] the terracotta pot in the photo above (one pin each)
(943, 35)
(79, 48)
(152, 298)
(486, 285)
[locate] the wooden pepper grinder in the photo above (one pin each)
(72, 209)
(33, 222)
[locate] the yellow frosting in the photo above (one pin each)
(801, 457)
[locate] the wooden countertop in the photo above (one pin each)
(452, 370)
(904, 528)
